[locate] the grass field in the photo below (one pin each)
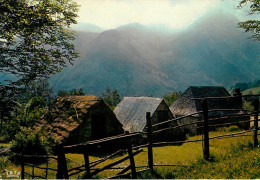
(252, 91)
(232, 158)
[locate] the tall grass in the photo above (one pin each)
(241, 161)
(231, 158)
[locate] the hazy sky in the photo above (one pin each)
(176, 14)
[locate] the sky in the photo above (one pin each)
(175, 14)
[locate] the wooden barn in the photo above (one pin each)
(131, 112)
(77, 119)
(186, 105)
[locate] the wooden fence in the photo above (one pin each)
(90, 168)
(32, 174)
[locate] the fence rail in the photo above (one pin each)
(91, 169)
(32, 175)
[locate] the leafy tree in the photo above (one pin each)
(35, 42)
(38, 88)
(63, 93)
(8, 104)
(73, 92)
(111, 97)
(23, 115)
(77, 92)
(252, 26)
(32, 111)
(24, 108)
(171, 97)
(31, 142)
(34, 39)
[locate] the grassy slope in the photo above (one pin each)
(233, 158)
(240, 162)
(252, 91)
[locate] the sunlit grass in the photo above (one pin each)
(228, 154)
(239, 162)
(6, 145)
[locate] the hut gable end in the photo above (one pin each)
(187, 104)
(131, 111)
(184, 105)
(70, 119)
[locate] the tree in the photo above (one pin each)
(37, 88)
(34, 39)
(111, 97)
(32, 142)
(73, 92)
(35, 42)
(8, 105)
(252, 26)
(77, 92)
(171, 97)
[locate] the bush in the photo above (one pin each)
(30, 142)
(3, 162)
(248, 106)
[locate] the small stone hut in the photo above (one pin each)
(77, 119)
(131, 112)
(186, 105)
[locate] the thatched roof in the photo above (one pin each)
(131, 111)
(66, 114)
(184, 105)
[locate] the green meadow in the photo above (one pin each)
(230, 158)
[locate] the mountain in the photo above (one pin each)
(212, 52)
(140, 61)
(117, 61)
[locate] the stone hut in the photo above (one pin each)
(77, 119)
(187, 104)
(131, 112)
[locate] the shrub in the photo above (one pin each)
(3, 162)
(248, 106)
(30, 142)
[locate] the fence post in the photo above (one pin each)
(22, 163)
(131, 157)
(62, 165)
(204, 105)
(87, 167)
(59, 174)
(256, 106)
(33, 172)
(47, 165)
(150, 140)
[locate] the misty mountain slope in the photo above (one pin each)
(137, 60)
(212, 52)
(113, 61)
(84, 40)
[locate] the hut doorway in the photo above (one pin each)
(163, 116)
(98, 126)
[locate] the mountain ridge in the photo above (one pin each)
(137, 60)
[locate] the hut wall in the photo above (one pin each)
(162, 107)
(84, 132)
(190, 129)
(198, 128)
(81, 134)
(244, 125)
(169, 135)
(112, 125)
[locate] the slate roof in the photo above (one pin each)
(185, 105)
(131, 111)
